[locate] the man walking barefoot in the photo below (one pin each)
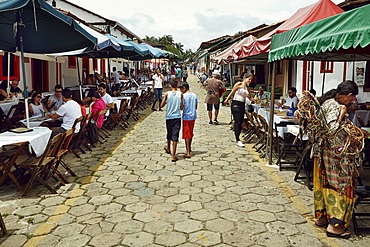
(174, 101)
(189, 115)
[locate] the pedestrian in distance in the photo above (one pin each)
(174, 101)
(157, 88)
(242, 96)
(213, 86)
(189, 115)
(185, 74)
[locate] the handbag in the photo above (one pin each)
(92, 132)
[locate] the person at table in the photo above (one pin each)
(76, 97)
(102, 89)
(91, 80)
(36, 107)
(56, 100)
(96, 106)
(292, 100)
(69, 111)
(14, 89)
(334, 171)
(3, 94)
(157, 88)
(116, 77)
(261, 95)
(241, 95)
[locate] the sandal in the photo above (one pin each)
(322, 225)
(334, 235)
(175, 160)
(167, 152)
(187, 156)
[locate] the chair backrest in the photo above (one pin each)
(124, 103)
(78, 120)
(68, 135)
(102, 112)
(55, 145)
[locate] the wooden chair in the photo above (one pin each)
(362, 200)
(305, 164)
(131, 110)
(16, 113)
(7, 161)
(38, 167)
(100, 131)
(70, 148)
(116, 119)
(2, 226)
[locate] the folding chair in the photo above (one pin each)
(100, 131)
(75, 136)
(7, 161)
(305, 164)
(116, 118)
(58, 154)
(38, 167)
(2, 226)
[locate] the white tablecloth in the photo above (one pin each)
(117, 100)
(131, 91)
(38, 139)
(265, 113)
(6, 105)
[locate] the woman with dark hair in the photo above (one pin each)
(76, 97)
(242, 96)
(36, 107)
(335, 145)
(96, 106)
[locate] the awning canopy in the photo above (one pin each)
(227, 54)
(303, 16)
(338, 38)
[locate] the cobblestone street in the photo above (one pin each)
(135, 196)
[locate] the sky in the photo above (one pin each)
(192, 22)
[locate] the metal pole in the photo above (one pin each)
(79, 78)
(25, 92)
(8, 82)
(323, 83)
(272, 105)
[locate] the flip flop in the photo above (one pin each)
(167, 152)
(322, 225)
(175, 160)
(187, 156)
(333, 235)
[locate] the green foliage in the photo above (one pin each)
(177, 48)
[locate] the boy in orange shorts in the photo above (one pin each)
(189, 115)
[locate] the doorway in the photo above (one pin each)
(40, 75)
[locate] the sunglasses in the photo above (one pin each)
(290, 92)
(58, 91)
(39, 96)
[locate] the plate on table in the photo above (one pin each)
(20, 130)
(37, 119)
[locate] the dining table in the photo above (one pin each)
(117, 100)
(280, 119)
(5, 105)
(37, 137)
(132, 91)
(363, 114)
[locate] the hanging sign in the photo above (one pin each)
(360, 73)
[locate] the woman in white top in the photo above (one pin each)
(36, 107)
(242, 96)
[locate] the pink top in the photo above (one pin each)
(98, 106)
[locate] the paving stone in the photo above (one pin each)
(190, 206)
(216, 205)
(270, 208)
(96, 192)
(228, 197)
(190, 191)
(68, 230)
(158, 227)
(170, 238)
(167, 192)
(290, 218)
(119, 217)
(244, 206)
(147, 216)
(14, 241)
(74, 241)
(219, 225)
(203, 214)
(109, 208)
(202, 197)
(114, 185)
(67, 219)
(271, 239)
(282, 228)
(129, 199)
(92, 230)
(178, 198)
(153, 199)
(26, 211)
(138, 239)
(106, 240)
(234, 215)
(49, 241)
(188, 226)
(176, 216)
(51, 201)
(119, 192)
(144, 192)
(205, 238)
(137, 207)
(163, 173)
(251, 227)
(262, 216)
(102, 199)
(83, 218)
(164, 207)
(127, 227)
(135, 185)
(238, 238)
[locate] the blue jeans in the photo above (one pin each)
(158, 96)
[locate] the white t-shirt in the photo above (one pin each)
(293, 100)
(108, 100)
(116, 77)
(70, 111)
(157, 81)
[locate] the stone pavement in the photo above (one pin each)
(135, 196)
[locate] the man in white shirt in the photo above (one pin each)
(157, 88)
(292, 100)
(70, 111)
(116, 79)
(102, 89)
